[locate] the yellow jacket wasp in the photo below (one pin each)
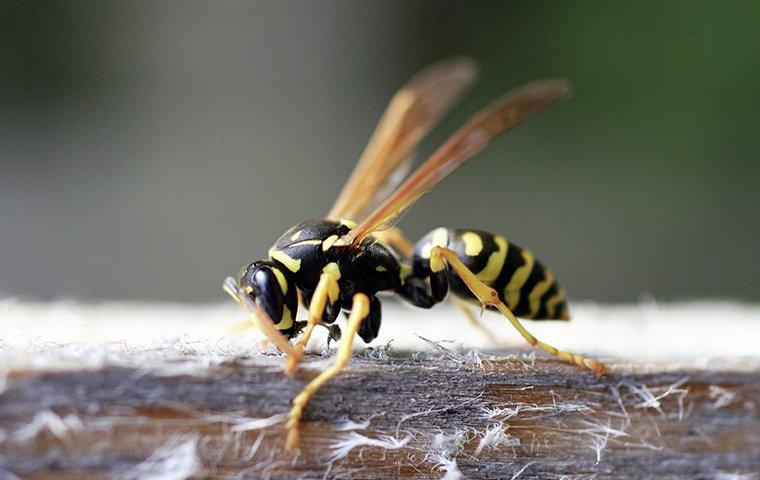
(338, 265)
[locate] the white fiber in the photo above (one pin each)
(349, 424)
(650, 400)
(721, 397)
(177, 459)
(6, 475)
(49, 421)
(736, 476)
(346, 444)
(450, 444)
(520, 472)
(259, 423)
(495, 436)
(449, 467)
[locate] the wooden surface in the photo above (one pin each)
(437, 415)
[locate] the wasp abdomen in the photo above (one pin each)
(525, 285)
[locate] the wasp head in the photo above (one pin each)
(266, 286)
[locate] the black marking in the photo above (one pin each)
(512, 262)
(543, 313)
(478, 262)
(537, 274)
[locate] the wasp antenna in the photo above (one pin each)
(233, 290)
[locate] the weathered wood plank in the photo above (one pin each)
(384, 417)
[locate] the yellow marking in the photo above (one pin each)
(295, 236)
(404, 271)
(248, 289)
(281, 279)
(436, 263)
(473, 244)
(512, 299)
(541, 287)
(495, 261)
(290, 263)
(333, 270)
(439, 238)
(306, 242)
(380, 268)
(329, 242)
(521, 274)
(348, 223)
(551, 304)
(287, 319)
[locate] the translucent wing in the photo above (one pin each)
(472, 137)
(412, 112)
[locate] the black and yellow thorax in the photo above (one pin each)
(313, 247)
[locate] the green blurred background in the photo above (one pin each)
(149, 149)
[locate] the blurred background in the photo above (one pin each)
(147, 150)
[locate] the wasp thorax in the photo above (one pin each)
(307, 248)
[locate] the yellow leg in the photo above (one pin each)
(240, 327)
(260, 319)
(266, 325)
(441, 256)
(474, 320)
(359, 311)
(327, 289)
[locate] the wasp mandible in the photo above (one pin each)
(334, 264)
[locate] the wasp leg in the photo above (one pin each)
(266, 325)
(440, 257)
(474, 320)
(415, 291)
(240, 327)
(326, 291)
(359, 311)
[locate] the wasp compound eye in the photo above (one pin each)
(272, 291)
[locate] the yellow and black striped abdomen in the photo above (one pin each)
(525, 285)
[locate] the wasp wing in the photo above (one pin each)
(412, 112)
(473, 136)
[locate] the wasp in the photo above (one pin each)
(340, 263)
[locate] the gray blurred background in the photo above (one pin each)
(149, 149)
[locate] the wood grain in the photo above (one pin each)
(427, 416)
